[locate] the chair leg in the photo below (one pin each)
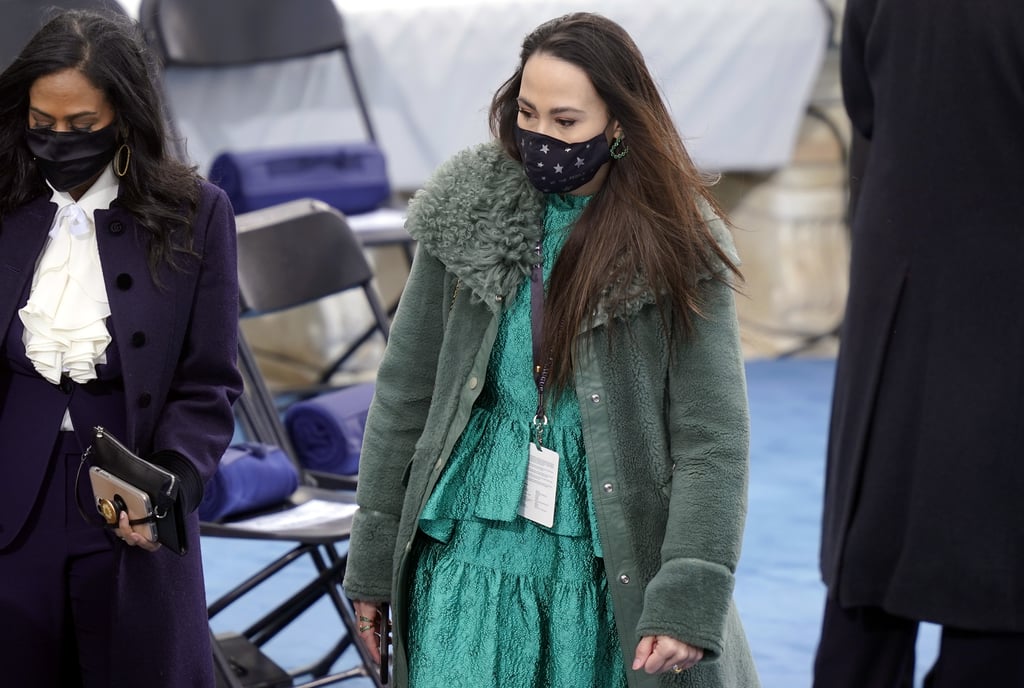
(329, 564)
(223, 669)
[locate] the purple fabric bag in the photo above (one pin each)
(327, 430)
(250, 476)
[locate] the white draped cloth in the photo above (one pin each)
(65, 317)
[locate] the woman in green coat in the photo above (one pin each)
(553, 482)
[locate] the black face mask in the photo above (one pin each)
(555, 166)
(69, 159)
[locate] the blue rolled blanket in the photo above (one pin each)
(327, 430)
(250, 476)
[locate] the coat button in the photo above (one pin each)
(138, 339)
(608, 488)
(473, 382)
(596, 398)
(624, 579)
(124, 281)
(116, 227)
(145, 399)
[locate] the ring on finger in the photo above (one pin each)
(676, 669)
(363, 628)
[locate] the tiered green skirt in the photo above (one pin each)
(498, 600)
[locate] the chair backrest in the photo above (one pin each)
(237, 72)
(207, 33)
(294, 253)
(300, 252)
(20, 19)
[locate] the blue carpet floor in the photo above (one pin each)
(778, 591)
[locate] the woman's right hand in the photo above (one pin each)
(131, 538)
(368, 625)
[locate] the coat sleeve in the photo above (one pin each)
(709, 432)
(857, 94)
(396, 420)
(196, 423)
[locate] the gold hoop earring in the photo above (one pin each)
(615, 149)
(121, 169)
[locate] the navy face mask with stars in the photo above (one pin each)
(555, 166)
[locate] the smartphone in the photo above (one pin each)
(114, 495)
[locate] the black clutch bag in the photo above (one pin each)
(159, 484)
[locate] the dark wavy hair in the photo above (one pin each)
(159, 190)
(646, 217)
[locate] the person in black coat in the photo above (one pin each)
(925, 477)
(118, 308)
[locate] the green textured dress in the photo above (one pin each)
(496, 599)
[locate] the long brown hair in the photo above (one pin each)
(646, 219)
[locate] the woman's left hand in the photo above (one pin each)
(131, 538)
(662, 653)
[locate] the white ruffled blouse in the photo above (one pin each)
(65, 317)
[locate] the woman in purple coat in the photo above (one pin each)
(118, 307)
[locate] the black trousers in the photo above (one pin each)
(57, 587)
(865, 647)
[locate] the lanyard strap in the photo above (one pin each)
(540, 370)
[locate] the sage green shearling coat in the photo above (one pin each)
(665, 428)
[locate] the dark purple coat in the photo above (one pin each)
(177, 348)
(925, 476)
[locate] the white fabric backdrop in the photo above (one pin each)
(736, 74)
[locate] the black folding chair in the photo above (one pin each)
(241, 658)
(210, 52)
(222, 34)
(290, 255)
(297, 253)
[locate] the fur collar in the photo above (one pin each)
(480, 216)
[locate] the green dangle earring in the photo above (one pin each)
(618, 149)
